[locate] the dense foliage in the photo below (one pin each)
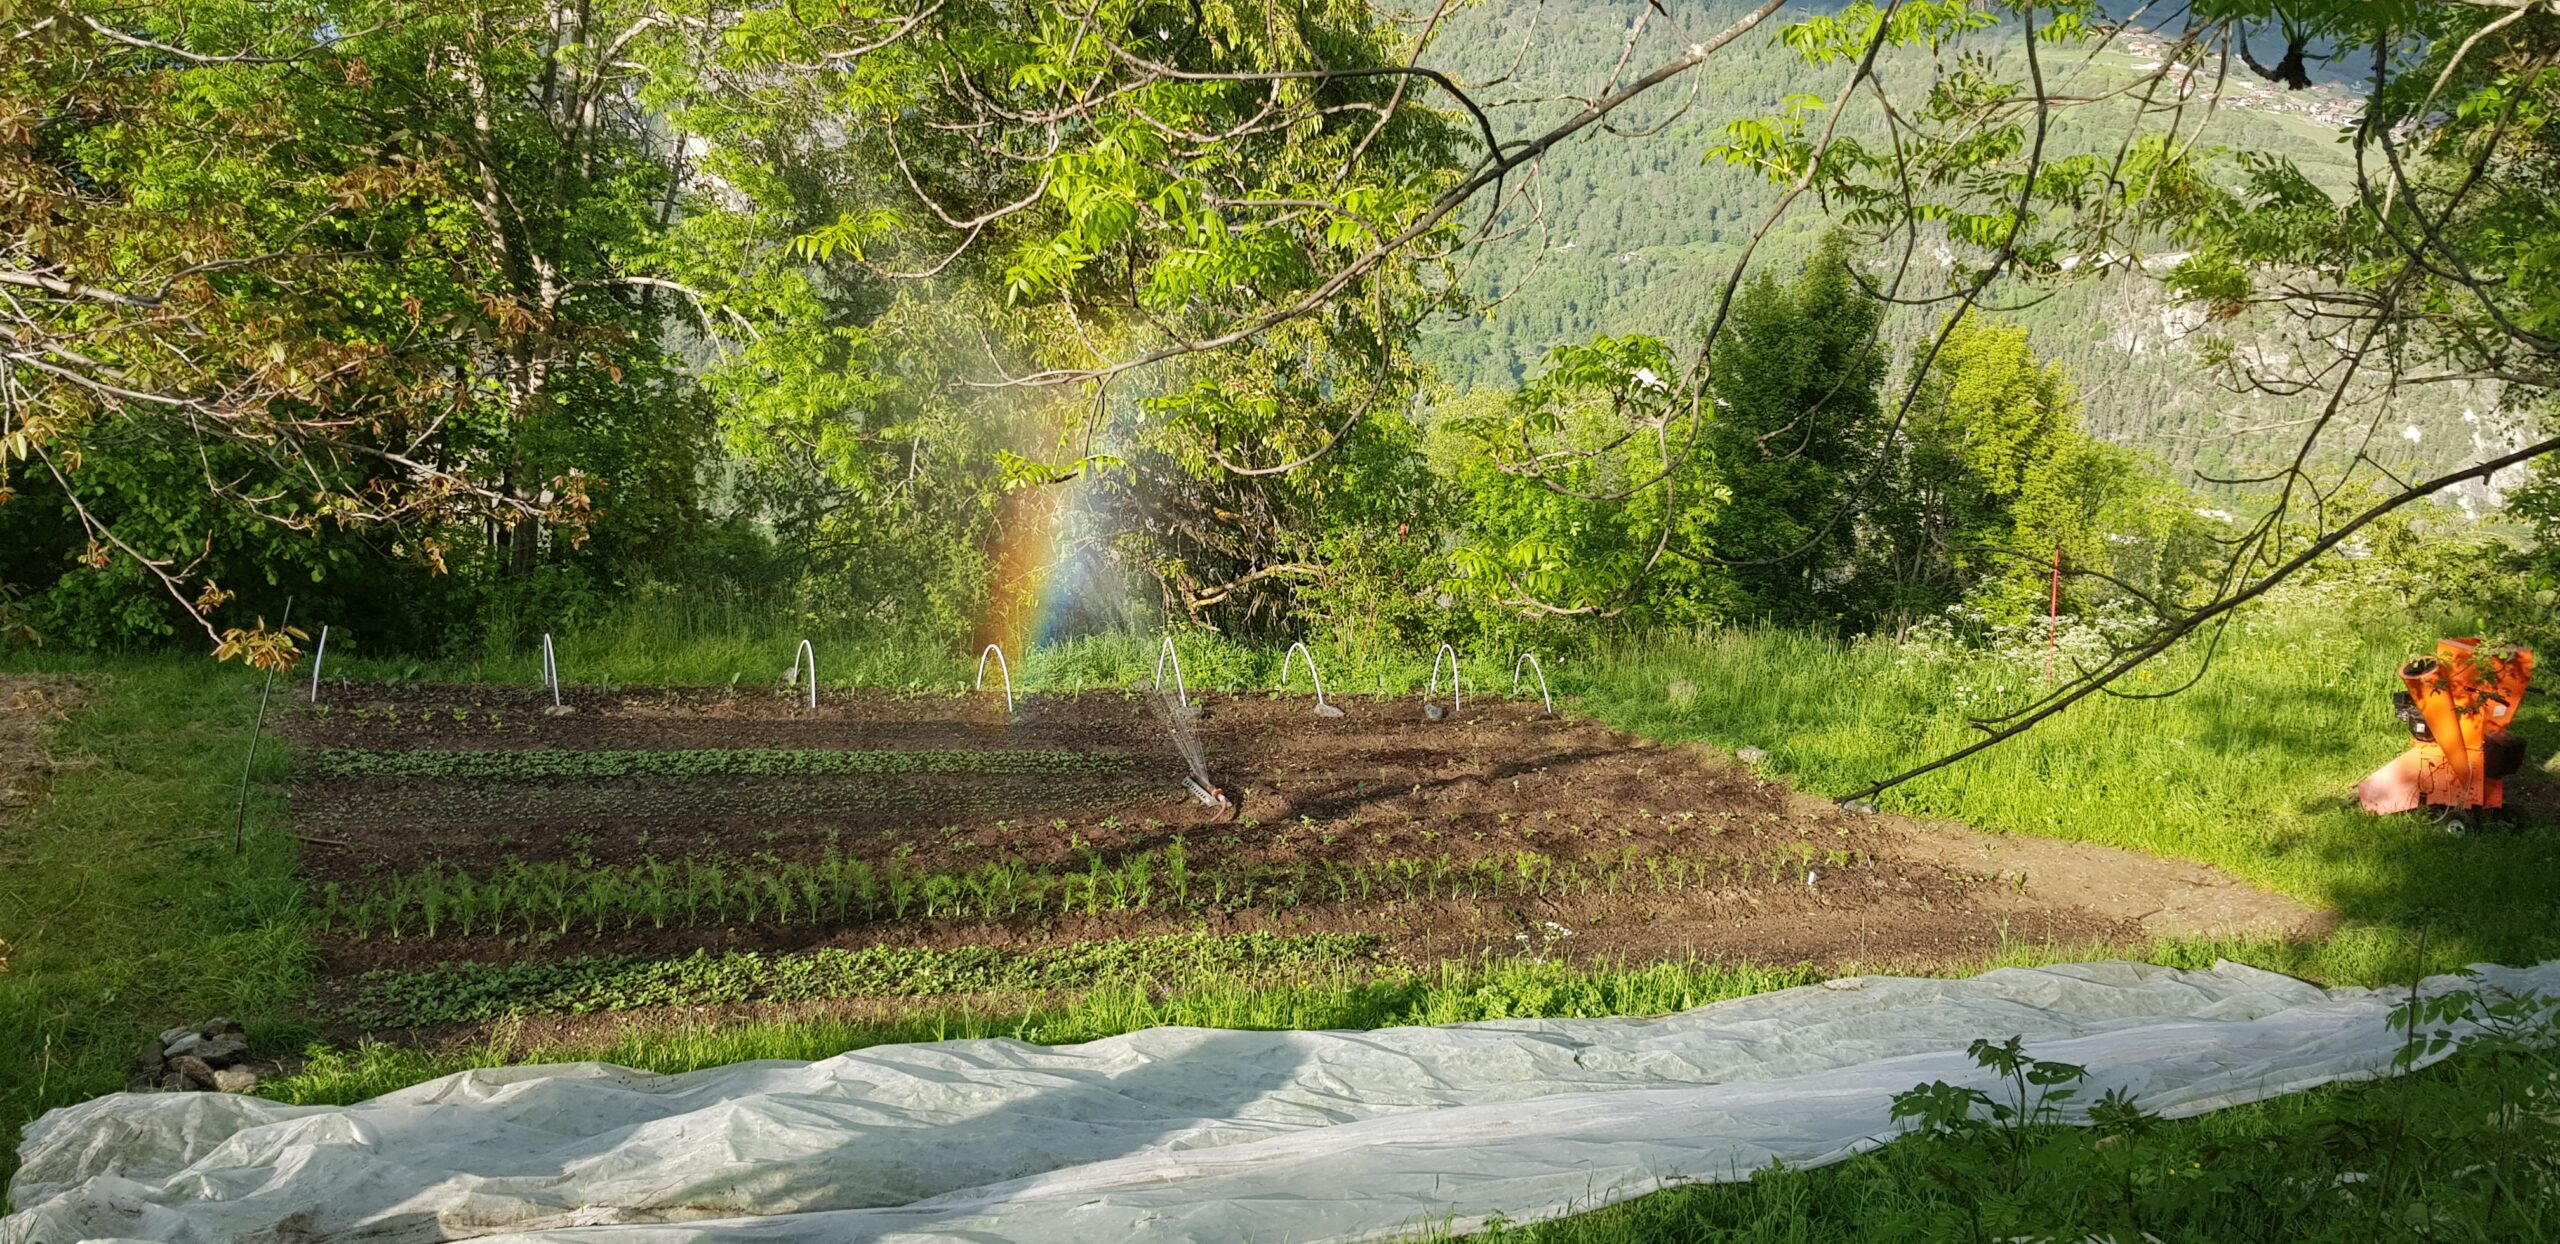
(453, 323)
(368, 301)
(329, 295)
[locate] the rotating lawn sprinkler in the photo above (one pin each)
(1181, 719)
(1213, 798)
(2457, 705)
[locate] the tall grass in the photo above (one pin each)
(2252, 769)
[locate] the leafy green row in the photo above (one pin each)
(561, 897)
(471, 992)
(508, 765)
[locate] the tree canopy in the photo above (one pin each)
(463, 317)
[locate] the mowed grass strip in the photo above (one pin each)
(548, 766)
(128, 909)
(1343, 995)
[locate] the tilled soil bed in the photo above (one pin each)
(464, 823)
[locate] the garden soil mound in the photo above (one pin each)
(1498, 830)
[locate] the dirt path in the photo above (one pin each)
(2165, 898)
(30, 706)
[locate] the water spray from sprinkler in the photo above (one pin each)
(1212, 797)
(1182, 721)
(319, 653)
(808, 655)
(551, 677)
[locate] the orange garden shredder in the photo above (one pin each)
(2458, 705)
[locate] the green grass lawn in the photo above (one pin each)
(128, 908)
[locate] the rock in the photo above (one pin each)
(193, 1070)
(223, 1027)
(150, 1060)
(558, 710)
(1433, 712)
(173, 1034)
(235, 1080)
(1750, 755)
(186, 1044)
(1860, 806)
(223, 1051)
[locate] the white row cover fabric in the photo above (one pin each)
(1172, 1134)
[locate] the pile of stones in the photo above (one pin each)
(196, 1060)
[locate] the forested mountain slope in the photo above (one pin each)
(1635, 231)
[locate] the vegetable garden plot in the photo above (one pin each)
(461, 824)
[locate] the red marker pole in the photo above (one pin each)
(2053, 618)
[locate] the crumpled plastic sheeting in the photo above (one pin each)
(1172, 1134)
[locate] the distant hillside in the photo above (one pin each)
(1634, 232)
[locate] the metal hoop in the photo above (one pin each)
(1164, 653)
(1532, 659)
(1001, 668)
(551, 669)
(1300, 649)
(1452, 654)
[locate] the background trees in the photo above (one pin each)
(329, 295)
(507, 312)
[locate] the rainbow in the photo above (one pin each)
(1042, 566)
